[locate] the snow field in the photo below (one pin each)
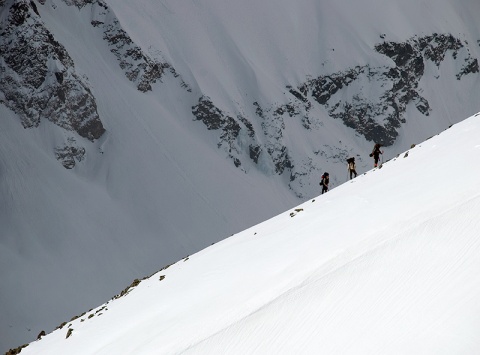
(378, 265)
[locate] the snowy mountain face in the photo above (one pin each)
(136, 133)
(402, 279)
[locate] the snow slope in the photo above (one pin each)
(385, 264)
(156, 186)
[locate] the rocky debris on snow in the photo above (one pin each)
(38, 78)
(254, 150)
(69, 154)
(41, 334)
(16, 350)
(297, 210)
(61, 325)
(134, 284)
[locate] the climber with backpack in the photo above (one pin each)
(376, 153)
(324, 182)
(351, 167)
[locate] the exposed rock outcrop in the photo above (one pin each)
(70, 153)
(139, 68)
(371, 100)
(378, 119)
(215, 119)
(39, 80)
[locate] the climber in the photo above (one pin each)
(324, 182)
(376, 153)
(351, 167)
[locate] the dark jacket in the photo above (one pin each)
(376, 150)
(325, 181)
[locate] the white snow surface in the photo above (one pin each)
(388, 263)
(155, 188)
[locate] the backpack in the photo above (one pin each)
(350, 160)
(324, 176)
